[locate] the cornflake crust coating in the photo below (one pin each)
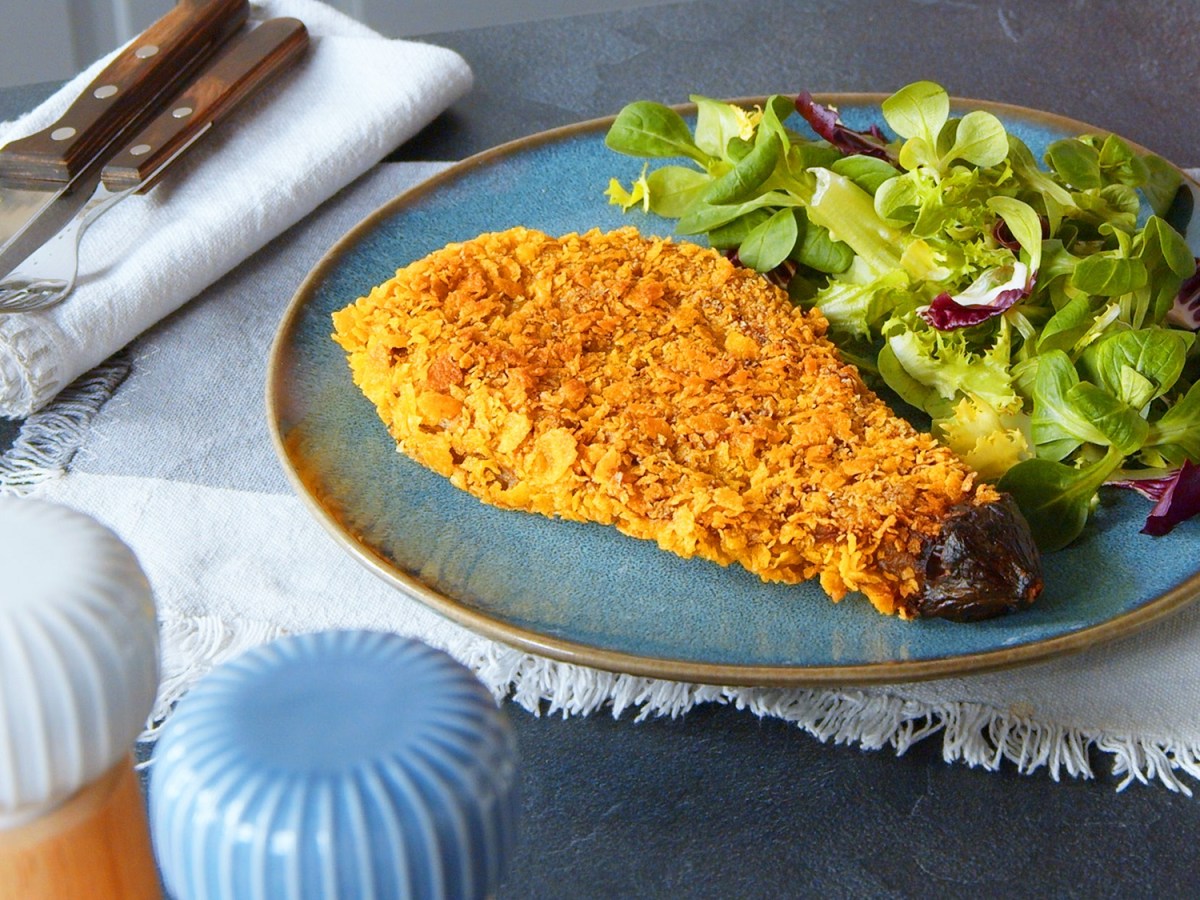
(657, 387)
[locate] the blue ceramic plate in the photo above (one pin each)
(585, 593)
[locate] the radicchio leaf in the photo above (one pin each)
(1004, 237)
(1176, 497)
(946, 313)
(1185, 313)
(826, 123)
(1150, 488)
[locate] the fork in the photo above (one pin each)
(48, 276)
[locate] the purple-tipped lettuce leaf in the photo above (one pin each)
(1004, 237)
(980, 302)
(1176, 497)
(826, 123)
(1185, 313)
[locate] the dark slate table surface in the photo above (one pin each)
(718, 803)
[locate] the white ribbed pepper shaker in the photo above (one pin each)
(79, 670)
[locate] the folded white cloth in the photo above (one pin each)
(180, 465)
(351, 101)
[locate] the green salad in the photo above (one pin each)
(1042, 314)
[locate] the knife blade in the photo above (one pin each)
(46, 177)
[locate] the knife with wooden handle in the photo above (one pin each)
(244, 66)
(46, 177)
(126, 93)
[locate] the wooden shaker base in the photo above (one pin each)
(96, 845)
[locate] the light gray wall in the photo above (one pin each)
(50, 40)
(410, 18)
(35, 40)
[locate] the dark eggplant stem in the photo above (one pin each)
(983, 564)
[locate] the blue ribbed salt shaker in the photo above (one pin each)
(341, 764)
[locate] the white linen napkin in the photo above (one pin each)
(351, 101)
(180, 465)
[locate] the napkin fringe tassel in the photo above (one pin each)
(190, 646)
(972, 733)
(49, 439)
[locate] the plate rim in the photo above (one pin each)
(578, 653)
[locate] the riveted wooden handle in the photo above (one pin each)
(126, 94)
(244, 65)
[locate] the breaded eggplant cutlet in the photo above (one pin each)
(658, 387)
